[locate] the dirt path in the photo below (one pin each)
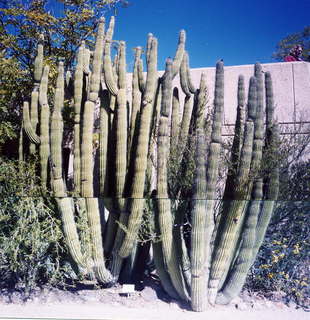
(148, 312)
(148, 304)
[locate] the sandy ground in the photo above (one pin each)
(147, 304)
(103, 311)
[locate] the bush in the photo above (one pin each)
(31, 241)
(283, 261)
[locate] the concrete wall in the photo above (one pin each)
(291, 83)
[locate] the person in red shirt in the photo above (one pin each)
(295, 54)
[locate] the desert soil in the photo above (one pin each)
(148, 304)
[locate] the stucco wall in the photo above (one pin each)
(291, 83)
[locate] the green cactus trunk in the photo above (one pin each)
(44, 128)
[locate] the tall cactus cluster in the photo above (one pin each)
(139, 137)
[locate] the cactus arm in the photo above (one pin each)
(107, 62)
(66, 209)
(140, 76)
(237, 142)
(161, 268)
(87, 150)
(183, 77)
(121, 127)
(78, 97)
(103, 138)
(163, 204)
(97, 62)
(186, 119)
(190, 84)
(149, 47)
(233, 211)
(102, 273)
(122, 66)
(205, 181)
(198, 235)
(56, 135)
(31, 134)
(202, 102)
(218, 103)
(237, 275)
(44, 127)
(175, 118)
(136, 97)
(120, 160)
(38, 61)
(138, 182)
(271, 183)
(34, 113)
(179, 54)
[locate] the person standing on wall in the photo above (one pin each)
(295, 54)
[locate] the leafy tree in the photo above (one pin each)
(299, 38)
(21, 22)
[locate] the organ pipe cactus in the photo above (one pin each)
(206, 268)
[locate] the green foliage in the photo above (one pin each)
(21, 22)
(31, 241)
(299, 38)
(13, 86)
(283, 261)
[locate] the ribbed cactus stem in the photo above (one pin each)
(107, 62)
(149, 47)
(175, 118)
(136, 97)
(243, 261)
(78, 96)
(190, 84)
(252, 99)
(29, 130)
(66, 208)
(97, 62)
(44, 127)
(103, 138)
(218, 103)
(121, 143)
(205, 181)
(233, 211)
(140, 166)
(122, 66)
(140, 76)
(179, 54)
(271, 186)
(163, 203)
(198, 235)
(34, 113)
(38, 61)
(56, 135)
(269, 101)
(237, 141)
(183, 77)
(87, 150)
(237, 275)
(93, 216)
(259, 122)
(186, 119)
(271, 183)
(202, 102)
(161, 269)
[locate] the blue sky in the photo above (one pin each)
(240, 32)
